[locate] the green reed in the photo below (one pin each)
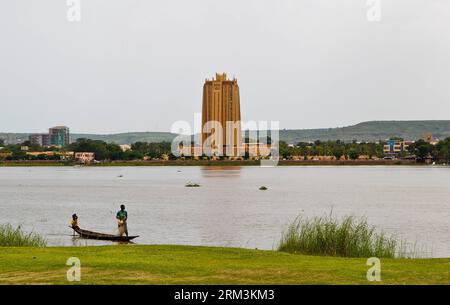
(348, 237)
(15, 237)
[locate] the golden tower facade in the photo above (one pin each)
(221, 117)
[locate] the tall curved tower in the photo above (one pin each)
(221, 117)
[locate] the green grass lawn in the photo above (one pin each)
(133, 264)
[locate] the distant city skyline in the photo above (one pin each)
(139, 66)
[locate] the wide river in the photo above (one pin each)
(228, 209)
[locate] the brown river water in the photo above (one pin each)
(228, 209)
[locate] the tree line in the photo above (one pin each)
(439, 152)
(420, 149)
(113, 152)
(338, 149)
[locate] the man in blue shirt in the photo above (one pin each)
(122, 217)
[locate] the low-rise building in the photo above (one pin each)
(4, 155)
(257, 150)
(84, 157)
(125, 147)
(430, 139)
(393, 148)
(253, 150)
(190, 151)
(62, 154)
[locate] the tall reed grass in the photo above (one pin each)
(15, 237)
(349, 237)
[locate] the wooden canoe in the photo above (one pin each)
(101, 236)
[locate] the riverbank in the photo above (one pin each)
(154, 264)
(212, 163)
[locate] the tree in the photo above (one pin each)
(101, 149)
(132, 155)
(420, 149)
(18, 155)
(338, 151)
(114, 152)
(353, 153)
(379, 152)
(303, 148)
(284, 149)
(153, 150)
(442, 150)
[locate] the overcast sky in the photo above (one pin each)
(139, 65)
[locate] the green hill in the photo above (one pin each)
(129, 137)
(119, 138)
(366, 131)
(371, 131)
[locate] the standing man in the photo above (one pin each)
(122, 217)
